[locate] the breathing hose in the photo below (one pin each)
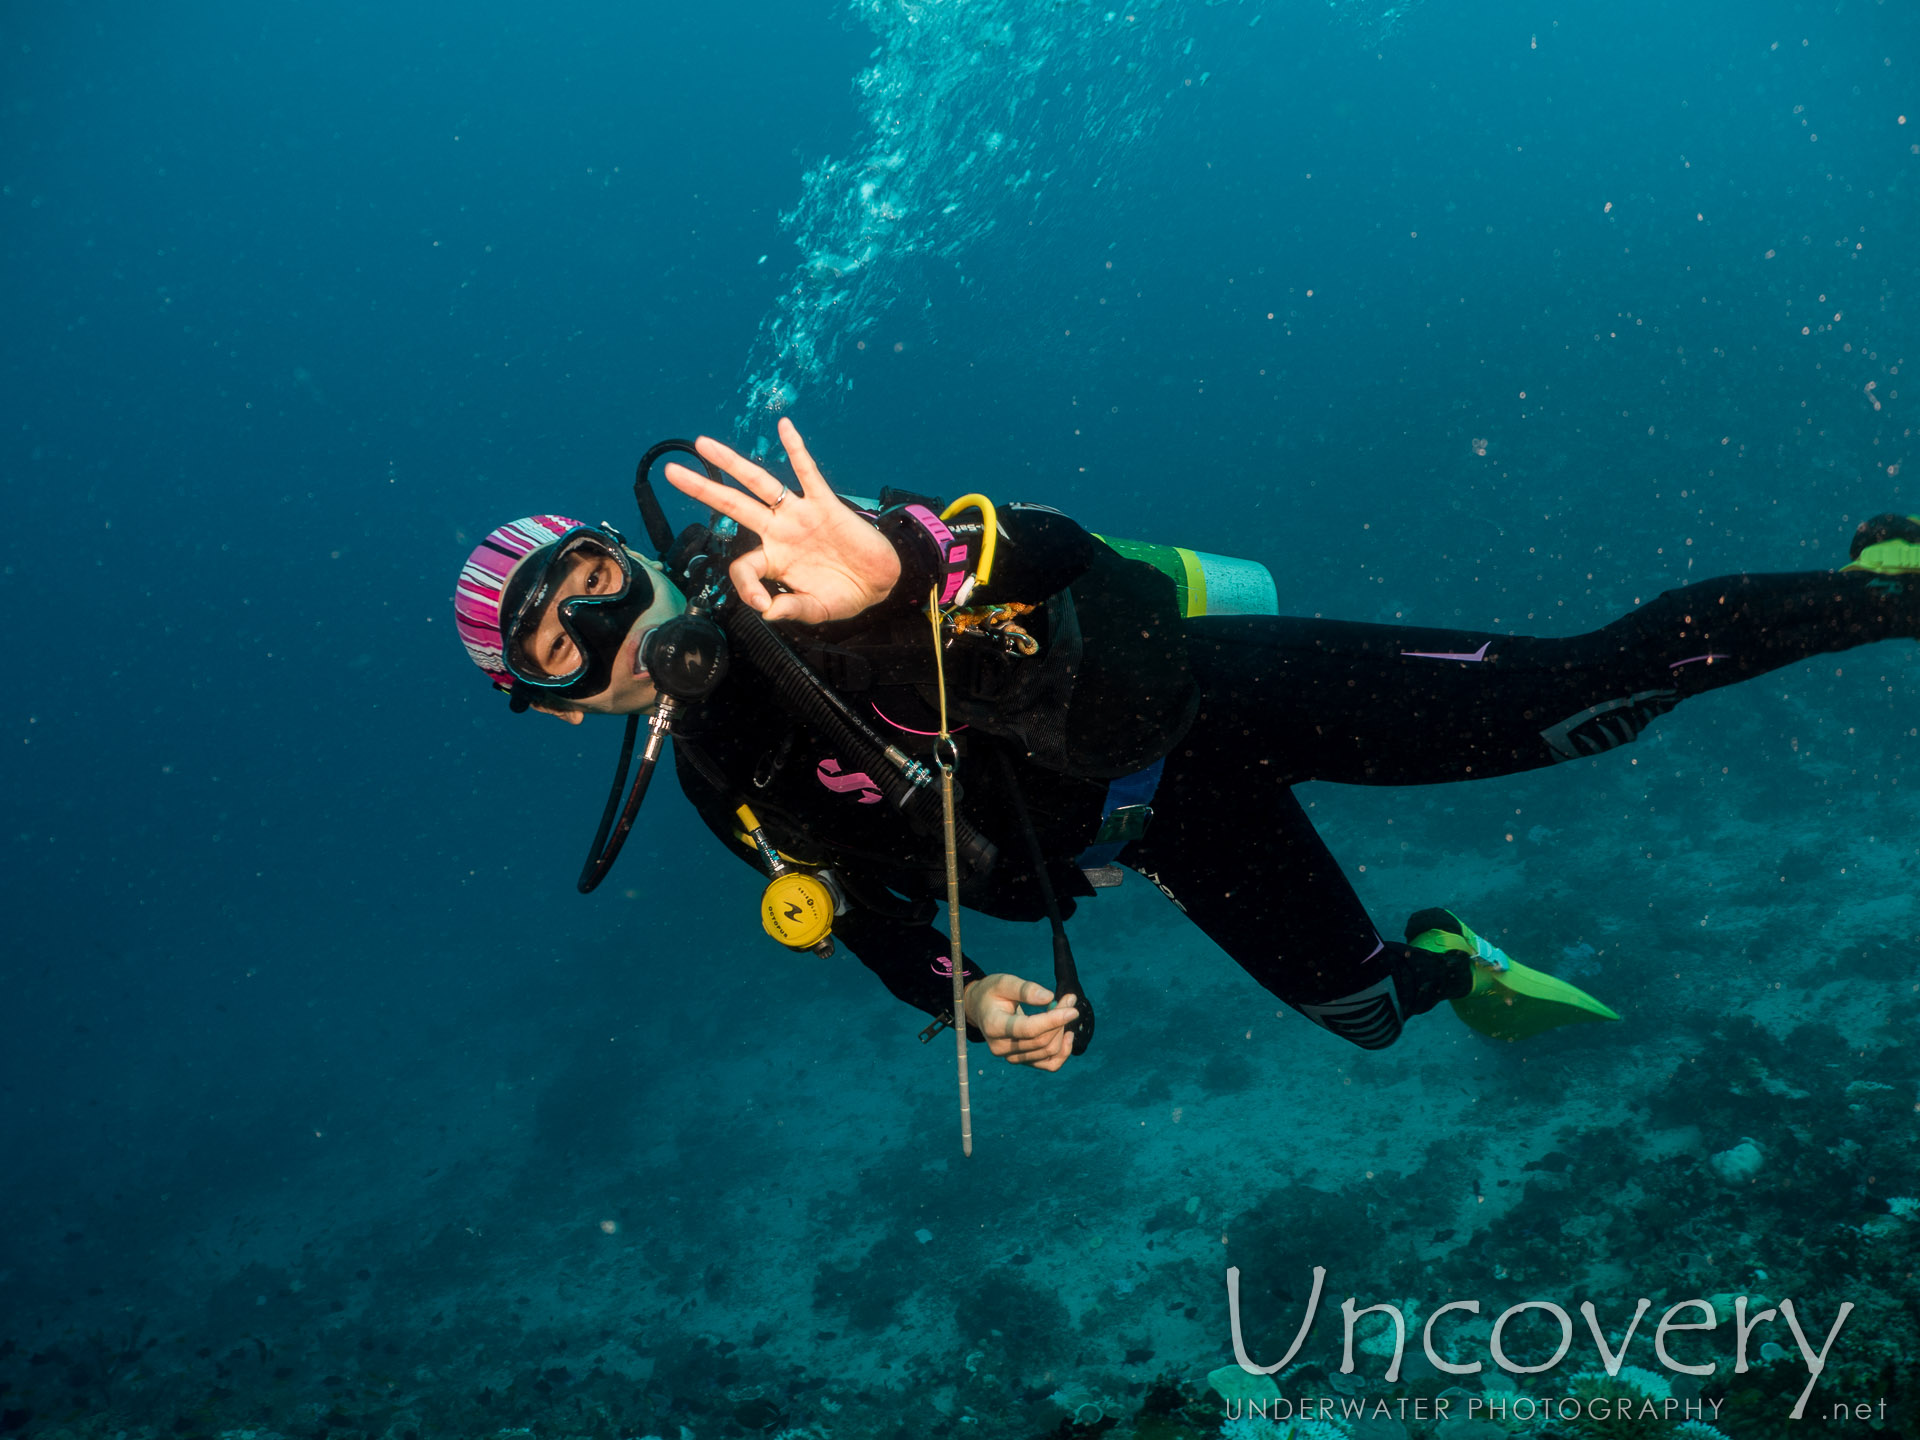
(904, 781)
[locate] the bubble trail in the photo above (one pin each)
(972, 109)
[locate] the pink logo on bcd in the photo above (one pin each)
(829, 775)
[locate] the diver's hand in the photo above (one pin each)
(833, 563)
(1043, 1041)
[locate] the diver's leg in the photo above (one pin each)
(1249, 869)
(1397, 705)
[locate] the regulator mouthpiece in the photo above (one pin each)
(686, 656)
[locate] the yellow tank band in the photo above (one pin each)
(1196, 581)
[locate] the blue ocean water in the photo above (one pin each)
(330, 1108)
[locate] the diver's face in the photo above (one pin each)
(631, 688)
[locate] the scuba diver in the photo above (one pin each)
(1093, 712)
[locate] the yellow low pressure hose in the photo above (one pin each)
(990, 531)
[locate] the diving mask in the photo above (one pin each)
(616, 593)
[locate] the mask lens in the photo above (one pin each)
(592, 618)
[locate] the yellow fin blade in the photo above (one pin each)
(1520, 1002)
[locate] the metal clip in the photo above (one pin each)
(1123, 823)
(940, 1022)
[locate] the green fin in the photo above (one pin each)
(1518, 1002)
(1511, 1002)
(1889, 557)
(1886, 545)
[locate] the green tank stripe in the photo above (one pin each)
(1167, 559)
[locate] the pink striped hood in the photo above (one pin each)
(483, 581)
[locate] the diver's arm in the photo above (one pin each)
(836, 564)
(1038, 551)
(832, 561)
(911, 962)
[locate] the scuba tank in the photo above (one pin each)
(1207, 584)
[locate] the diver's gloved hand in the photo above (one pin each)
(831, 559)
(1041, 1040)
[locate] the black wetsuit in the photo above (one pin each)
(1242, 709)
